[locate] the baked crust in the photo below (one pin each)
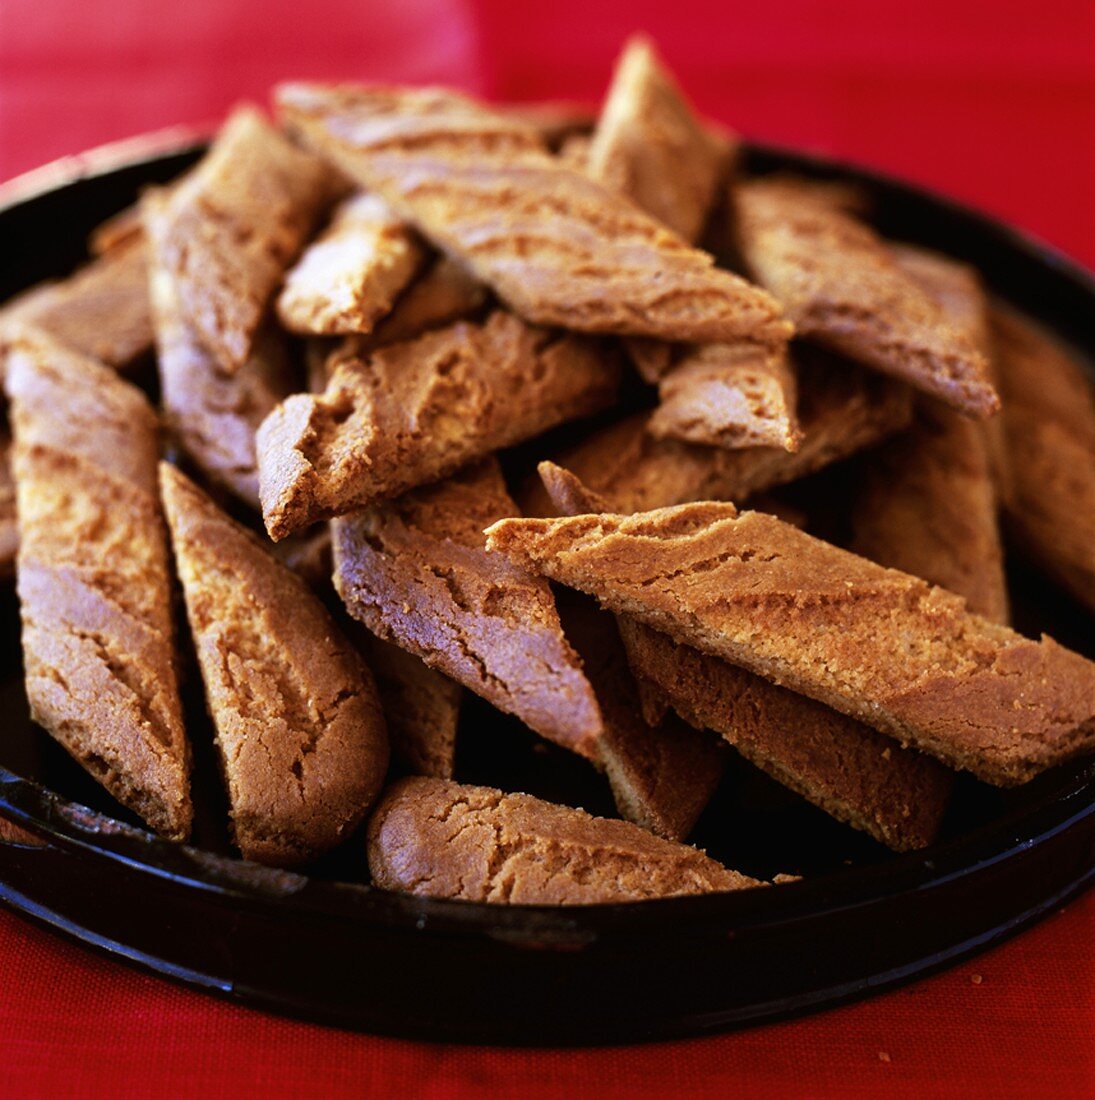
(841, 286)
(436, 838)
(849, 770)
(233, 226)
(1049, 417)
(100, 311)
(649, 145)
(415, 572)
(729, 395)
(348, 278)
(879, 645)
(93, 580)
(662, 774)
(299, 728)
(477, 184)
(841, 410)
(411, 413)
(213, 414)
(421, 707)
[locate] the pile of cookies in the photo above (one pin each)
(358, 311)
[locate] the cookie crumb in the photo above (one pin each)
(976, 979)
(883, 1056)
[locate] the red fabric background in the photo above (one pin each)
(993, 102)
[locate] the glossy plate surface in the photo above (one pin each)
(330, 948)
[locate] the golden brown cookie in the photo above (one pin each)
(928, 504)
(849, 770)
(555, 245)
(731, 396)
(347, 279)
(662, 774)
(841, 411)
(212, 413)
(101, 310)
(299, 729)
(233, 226)
(1049, 417)
(841, 286)
(440, 839)
(410, 413)
(93, 579)
(415, 572)
(649, 145)
(876, 644)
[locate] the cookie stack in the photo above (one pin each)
(357, 313)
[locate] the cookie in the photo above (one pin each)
(415, 572)
(854, 773)
(348, 278)
(731, 396)
(878, 645)
(408, 414)
(299, 730)
(93, 579)
(213, 414)
(477, 185)
(233, 226)
(440, 839)
(841, 286)
(649, 145)
(841, 411)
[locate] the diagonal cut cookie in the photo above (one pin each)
(842, 410)
(927, 503)
(662, 775)
(849, 770)
(233, 226)
(93, 580)
(213, 414)
(440, 839)
(411, 413)
(649, 145)
(348, 278)
(729, 395)
(416, 573)
(299, 729)
(1049, 417)
(841, 286)
(555, 245)
(876, 644)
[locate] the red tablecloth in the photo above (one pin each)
(992, 102)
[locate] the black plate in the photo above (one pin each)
(325, 947)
